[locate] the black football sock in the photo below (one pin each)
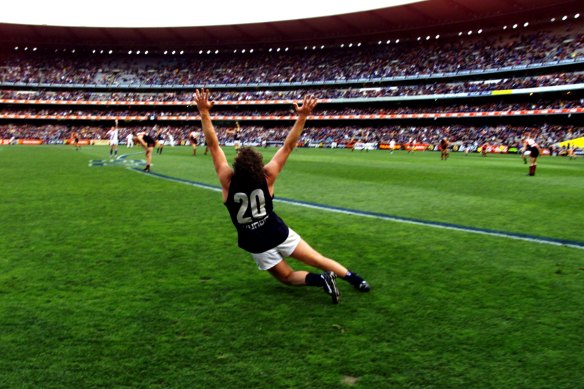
(353, 278)
(314, 280)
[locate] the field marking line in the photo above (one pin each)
(382, 216)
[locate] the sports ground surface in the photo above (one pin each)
(111, 277)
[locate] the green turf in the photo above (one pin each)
(113, 278)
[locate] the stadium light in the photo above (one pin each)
(111, 51)
(397, 41)
(93, 51)
(15, 47)
(515, 26)
(359, 44)
(379, 42)
(460, 33)
(286, 49)
(35, 49)
(146, 52)
(217, 51)
(552, 20)
(480, 31)
(469, 32)
(182, 52)
(419, 38)
(305, 47)
(26, 49)
(137, 52)
(342, 45)
(243, 51)
(564, 18)
(504, 27)
(322, 47)
(428, 38)
(130, 52)
(350, 45)
(388, 41)
(438, 36)
(576, 16)
(525, 24)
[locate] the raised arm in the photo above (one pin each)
(275, 166)
(222, 168)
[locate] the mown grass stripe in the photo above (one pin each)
(382, 216)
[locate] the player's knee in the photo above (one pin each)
(286, 280)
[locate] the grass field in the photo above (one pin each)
(114, 278)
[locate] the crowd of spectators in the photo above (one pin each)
(331, 64)
(440, 106)
(554, 79)
(368, 61)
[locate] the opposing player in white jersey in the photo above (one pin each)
(114, 139)
(533, 151)
(130, 140)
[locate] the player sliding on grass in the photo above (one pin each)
(248, 192)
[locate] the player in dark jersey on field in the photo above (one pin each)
(148, 142)
(444, 149)
(248, 192)
(194, 141)
(160, 140)
(75, 140)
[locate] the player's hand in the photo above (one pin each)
(308, 104)
(202, 100)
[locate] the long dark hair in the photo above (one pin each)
(248, 165)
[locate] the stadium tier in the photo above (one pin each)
(474, 90)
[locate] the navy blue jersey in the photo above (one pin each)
(150, 142)
(252, 212)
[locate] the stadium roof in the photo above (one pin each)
(178, 13)
(433, 16)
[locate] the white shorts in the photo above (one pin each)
(113, 142)
(269, 259)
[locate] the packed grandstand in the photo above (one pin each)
(475, 90)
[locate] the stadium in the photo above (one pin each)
(116, 273)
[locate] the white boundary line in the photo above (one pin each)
(500, 234)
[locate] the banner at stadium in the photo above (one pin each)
(577, 142)
(30, 142)
(83, 142)
(527, 112)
